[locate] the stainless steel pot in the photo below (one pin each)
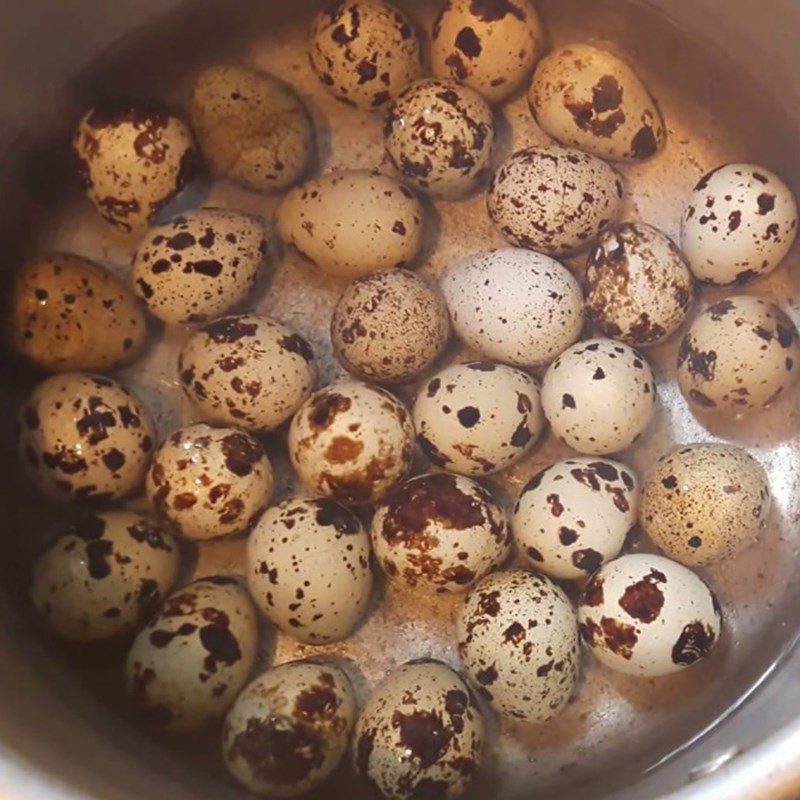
(57, 741)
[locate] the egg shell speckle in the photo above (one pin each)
(573, 516)
(516, 306)
(247, 370)
(289, 729)
(518, 640)
(187, 666)
(599, 396)
(554, 200)
(740, 354)
(739, 223)
(704, 503)
(647, 616)
(199, 265)
(104, 576)
(420, 734)
(85, 438)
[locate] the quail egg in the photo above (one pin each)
(440, 533)
(573, 516)
(210, 482)
(599, 396)
(199, 265)
(518, 640)
(740, 222)
(364, 51)
(84, 437)
(308, 567)
(352, 442)
(289, 729)
(553, 199)
(740, 354)
(187, 666)
(439, 136)
(645, 615)
(354, 222)
(252, 128)
(515, 306)
(420, 734)
(389, 327)
(248, 371)
(104, 576)
(133, 158)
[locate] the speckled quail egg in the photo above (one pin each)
(645, 615)
(84, 437)
(518, 640)
(133, 158)
(554, 200)
(440, 533)
(247, 370)
(199, 265)
(599, 396)
(704, 503)
(210, 482)
(573, 516)
(68, 313)
(308, 568)
(364, 51)
(490, 47)
(187, 666)
(740, 354)
(590, 98)
(252, 128)
(351, 223)
(515, 306)
(104, 576)
(739, 223)
(478, 418)
(439, 135)
(420, 734)
(289, 729)
(389, 327)
(352, 442)
(638, 287)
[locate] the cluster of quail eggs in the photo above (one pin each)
(544, 345)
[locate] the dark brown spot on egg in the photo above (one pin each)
(587, 560)
(241, 452)
(423, 736)
(695, 642)
(643, 600)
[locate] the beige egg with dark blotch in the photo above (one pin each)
(252, 128)
(85, 438)
(389, 327)
(210, 482)
(647, 616)
(104, 576)
(590, 98)
(133, 158)
(289, 729)
(308, 569)
(68, 313)
(187, 666)
(739, 355)
(517, 637)
(352, 442)
(247, 370)
(199, 265)
(421, 732)
(364, 51)
(704, 503)
(440, 533)
(351, 223)
(439, 135)
(490, 47)
(638, 285)
(554, 200)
